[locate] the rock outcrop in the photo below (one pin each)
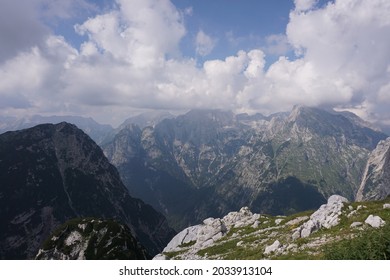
(210, 231)
(326, 216)
(92, 239)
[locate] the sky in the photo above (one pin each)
(112, 59)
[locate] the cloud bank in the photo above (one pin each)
(131, 59)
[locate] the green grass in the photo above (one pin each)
(173, 255)
(372, 244)
(188, 244)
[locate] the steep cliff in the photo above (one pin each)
(376, 179)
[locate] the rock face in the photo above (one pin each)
(92, 239)
(376, 179)
(208, 162)
(326, 216)
(52, 173)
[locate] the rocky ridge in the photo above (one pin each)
(92, 239)
(244, 235)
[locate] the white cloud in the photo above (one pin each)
(131, 59)
(277, 44)
(204, 43)
(140, 32)
(346, 45)
(304, 5)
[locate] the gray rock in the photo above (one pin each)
(356, 224)
(160, 257)
(386, 206)
(185, 236)
(360, 207)
(309, 227)
(242, 218)
(326, 216)
(272, 248)
(354, 212)
(210, 231)
(296, 234)
(374, 221)
(297, 220)
(256, 224)
(278, 221)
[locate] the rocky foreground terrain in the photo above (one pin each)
(92, 239)
(337, 230)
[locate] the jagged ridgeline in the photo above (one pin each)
(209, 162)
(50, 174)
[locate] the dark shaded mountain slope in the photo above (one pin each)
(52, 173)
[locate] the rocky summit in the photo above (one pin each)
(53, 173)
(337, 230)
(210, 162)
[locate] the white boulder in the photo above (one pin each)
(326, 216)
(375, 221)
(272, 248)
(356, 224)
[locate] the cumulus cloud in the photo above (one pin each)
(277, 44)
(20, 29)
(131, 59)
(22, 22)
(304, 5)
(204, 43)
(345, 43)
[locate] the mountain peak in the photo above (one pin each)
(52, 173)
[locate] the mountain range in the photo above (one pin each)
(210, 162)
(205, 163)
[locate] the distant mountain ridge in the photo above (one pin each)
(98, 132)
(210, 162)
(52, 173)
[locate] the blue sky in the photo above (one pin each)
(112, 59)
(234, 25)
